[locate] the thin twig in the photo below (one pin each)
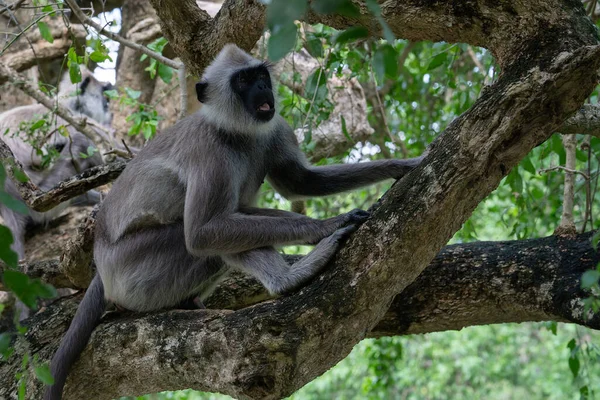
(136, 46)
(573, 171)
(127, 148)
(12, 7)
(183, 91)
(588, 184)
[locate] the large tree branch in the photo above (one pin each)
(467, 284)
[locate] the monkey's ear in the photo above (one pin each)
(201, 91)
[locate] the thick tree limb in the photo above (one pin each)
(467, 284)
(585, 121)
(77, 185)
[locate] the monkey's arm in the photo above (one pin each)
(294, 178)
(213, 225)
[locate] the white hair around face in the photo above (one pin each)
(222, 107)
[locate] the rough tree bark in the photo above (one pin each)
(548, 53)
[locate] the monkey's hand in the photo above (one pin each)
(355, 217)
(399, 168)
(351, 220)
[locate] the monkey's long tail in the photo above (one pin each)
(86, 319)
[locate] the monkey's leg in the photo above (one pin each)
(269, 267)
(152, 270)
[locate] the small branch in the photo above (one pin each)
(586, 146)
(567, 224)
(560, 167)
(101, 30)
(12, 7)
(184, 93)
(77, 185)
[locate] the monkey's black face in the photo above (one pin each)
(253, 85)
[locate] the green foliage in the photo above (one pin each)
(45, 31)
(144, 118)
(164, 72)
(73, 64)
(100, 52)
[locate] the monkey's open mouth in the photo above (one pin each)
(265, 107)
(265, 111)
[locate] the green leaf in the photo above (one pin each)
(584, 393)
(345, 129)
(574, 366)
(515, 181)
(134, 94)
(6, 253)
(385, 62)
(42, 372)
(20, 175)
(552, 326)
(45, 31)
(285, 12)
(314, 46)
(111, 94)
(316, 82)
(5, 349)
(37, 125)
(63, 131)
(343, 7)
(22, 389)
(165, 73)
(589, 278)
(375, 9)
(158, 45)
(12, 203)
(351, 34)
(528, 165)
(3, 176)
(73, 63)
(379, 65)
(437, 61)
(98, 56)
(26, 289)
(281, 41)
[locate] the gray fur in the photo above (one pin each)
(182, 214)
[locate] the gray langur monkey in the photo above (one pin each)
(182, 213)
(87, 99)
